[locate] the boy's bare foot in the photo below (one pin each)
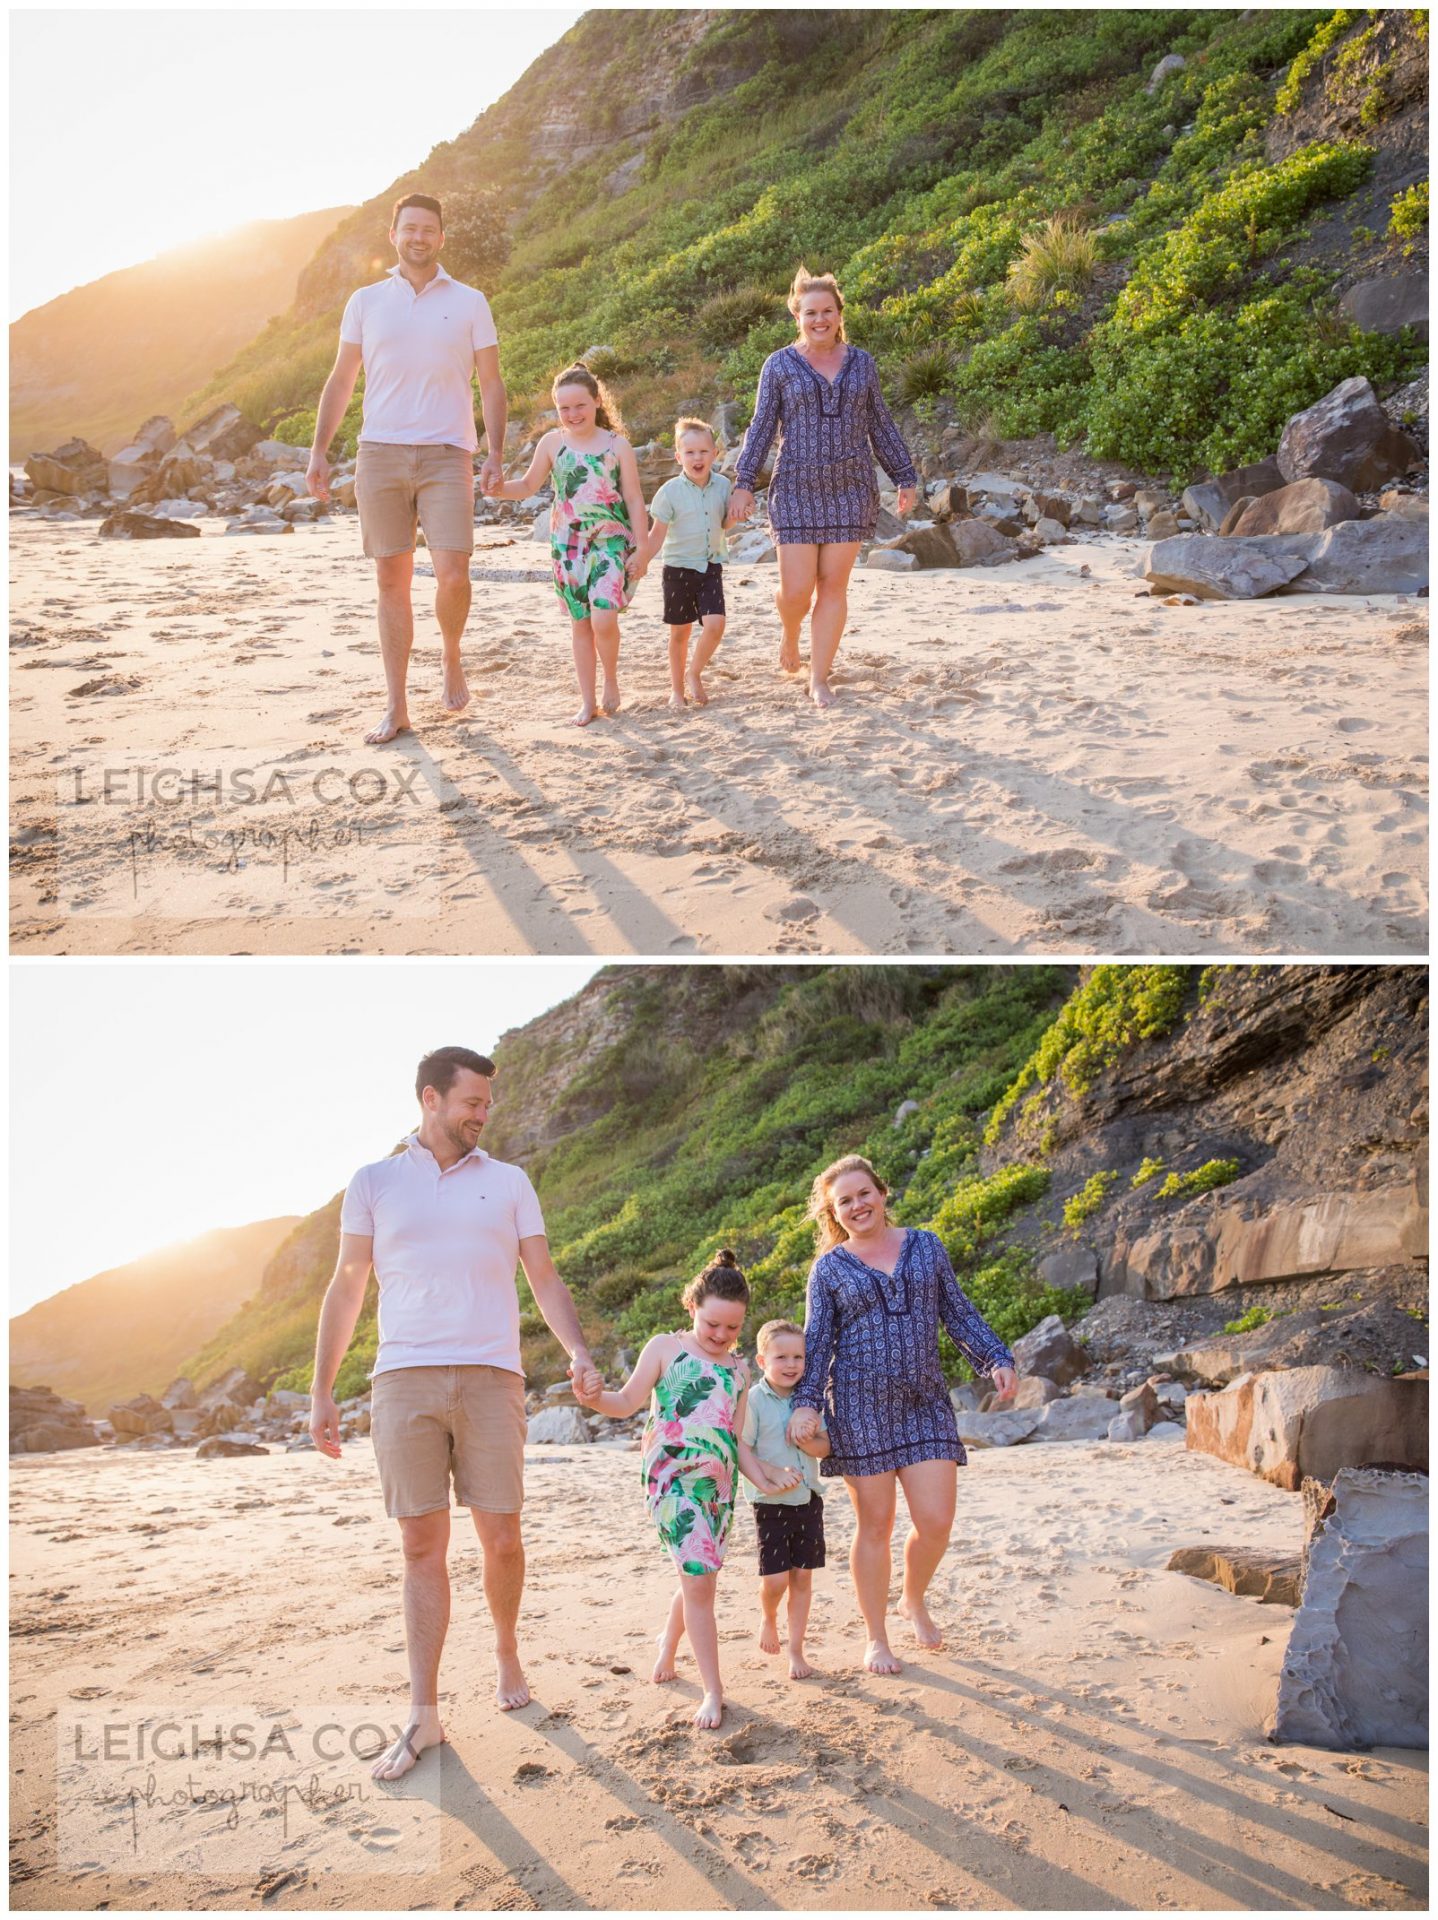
(392, 724)
(677, 702)
(696, 690)
(456, 690)
(585, 714)
(609, 700)
(710, 1710)
(822, 694)
(511, 1688)
(769, 1635)
(664, 1665)
(926, 1632)
(879, 1659)
(799, 1668)
(421, 1730)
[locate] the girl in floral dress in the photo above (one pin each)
(692, 1452)
(598, 503)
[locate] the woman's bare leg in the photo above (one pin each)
(831, 611)
(584, 670)
(930, 1489)
(798, 572)
(874, 1496)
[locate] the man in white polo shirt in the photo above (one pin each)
(445, 1226)
(420, 337)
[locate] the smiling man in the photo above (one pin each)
(445, 1226)
(421, 338)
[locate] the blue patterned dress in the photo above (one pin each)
(873, 1351)
(823, 487)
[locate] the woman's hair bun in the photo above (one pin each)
(726, 1257)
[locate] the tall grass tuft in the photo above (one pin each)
(1060, 255)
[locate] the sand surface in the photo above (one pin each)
(1022, 760)
(1091, 1738)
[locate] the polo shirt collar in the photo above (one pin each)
(761, 1385)
(413, 1144)
(395, 273)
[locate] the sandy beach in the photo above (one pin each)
(1091, 1737)
(1032, 759)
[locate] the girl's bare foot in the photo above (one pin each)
(609, 700)
(878, 1658)
(585, 714)
(696, 690)
(511, 1688)
(710, 1711)
(919, 1618)
(676, 702)
(664, 1665)
(421, 1730)
(821, 693)
(799, 1668)
(392, 724)
(769, 1635)
(456, 690)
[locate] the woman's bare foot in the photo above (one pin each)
(421, 1730)
(677, 703)
(664, 1665)
(821, 693)
(768, 1635)
(585, 714)
(710, 1711)
(926, 1632)
(696, 691)
(879, 1659)
(799, 1668)
(789, 661)
(511, 1688)
(392, 724)
(609, 700)
(455, 697)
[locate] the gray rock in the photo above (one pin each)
(287, 1400)
(905, 1109)
(1142, 1400)
(228, 1446)
(624, 1359)
(179, 1393)
(1355, 1671)
(1084, 1417)
(131, 524)
(1308, 506)
(930, 546)
(978, 544)
(1128, 1425)
(1170, 64)
(1051, 533)
(1051, 1350)
(1120, 519)
(997, 1429)
(142, 1414)
(966, 1398)
(1162, 525)
(1387, 554)
(1208, 502)
(278, 453)
(559, 1426)
(1033, 1391)
(1346, 436)
(1388, 304)
(1070, 1266)
(1219, 569)
(256, 523)
(74, 468)
(891, 560)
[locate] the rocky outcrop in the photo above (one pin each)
(1215, 568)
(1311, 1421)
(42, 1422)
(143, 1414)
(1274, 1578)
(74, 468)
(559, 1426)
(1387, 554)
(1308, 506)
(1346, 436)
(133, 525)
(1209, 502)
(1388, 304)
(1355, 1671)
(1051, 1351)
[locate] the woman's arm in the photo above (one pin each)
(620, 1402)
(966, 1326)
(820, 1333)
(886, 440)
(539, 469)
(760, 435)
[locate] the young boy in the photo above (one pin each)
(688, 520)
(790, 1525)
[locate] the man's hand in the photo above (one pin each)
(325, 1424)
(1005, 1381)
(491, 474)
(317, 475)
(803, 1425)
(585, 1377)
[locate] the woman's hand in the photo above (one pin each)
(803, 1425)
(908, 499)
(741, 507)
(1005, 1382)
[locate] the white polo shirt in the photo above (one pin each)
(418, 351)
(446, 1252)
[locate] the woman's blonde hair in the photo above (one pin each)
(606, 407)
(722, 1279)
(806, 282)
(828, 1232)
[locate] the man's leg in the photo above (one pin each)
(393, 574)
(451, 609)
(425, 1539)
(503, 1547)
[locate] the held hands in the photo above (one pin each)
(1005, 1382)
(803, 1425)
(586, 1381)
(741, 507)
(491, 476)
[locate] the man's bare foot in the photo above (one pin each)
(456, 690)
(769, 1635)
(821, 693)
(799, 1668)
(919, 1618)
(677, 702)
(664, 1665)
(511, 1688)
(695, 687)
(585, 714)
(710, 1711)
(789, 661)
(879, 1659)
(609, 700)
(392, 724)
(421, 1730)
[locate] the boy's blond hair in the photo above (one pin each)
(771, 1330)
(689, 425)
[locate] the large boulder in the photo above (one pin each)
(1215, 568)
(1308, 506)
(42, 1422)
(1085, 1417)
(930, 546)
(1051, 1350)
(76, 467)
(142, 1414)
(131, 524)
(236, 1385)
(1209, 502)
(1387, 554)
(1311, 1420)
(1388, 304)
(559, 1426)
(1346, 436)
(996, 1429)
(978, 544)
(1355, 1671)
(1033, 1391)
(224, 434)
(179, 1393)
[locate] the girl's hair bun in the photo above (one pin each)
(726, 1257)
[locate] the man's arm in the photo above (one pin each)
(339, 390)
(494, 405)
(555, 1302)
(339, 1311)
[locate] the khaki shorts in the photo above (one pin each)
(397, 487)
(429, 1423)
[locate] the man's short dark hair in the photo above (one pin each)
(424, 200)
(441, 1068)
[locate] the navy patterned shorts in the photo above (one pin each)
(790, 1536)
(691, 596)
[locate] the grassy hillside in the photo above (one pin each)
(102, 358)
(1026, 233)
(129, 1330)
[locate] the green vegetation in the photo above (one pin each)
(1089, 1198)
(1255, 1317)
(1149, 1168)
(1408, 214)
(1213, 1173)
(1020, 229)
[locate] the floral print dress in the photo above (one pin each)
(691, 1459)
(590, 538)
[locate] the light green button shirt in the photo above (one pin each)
(696, 520)
(766, 1419)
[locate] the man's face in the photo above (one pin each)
(417, 236)
(462, 1112)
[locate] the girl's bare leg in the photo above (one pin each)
(831, 611)
(874, 1496)
(801, 1592)
(678, 660)
(703, 1634)
(584, 666)
(711, 632)
(772, 1587)
(930, 1488)
(605, 625)
(798, 573)
(670, 1635)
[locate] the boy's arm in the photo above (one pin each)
(539, 468)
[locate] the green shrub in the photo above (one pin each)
(1408, 214)
(1325, 37)
(725, 319)
(1148, 1169)
(1255, 1317)
(924, 375)
(1213, 1173)
(1061, 255)
(1089, 1198)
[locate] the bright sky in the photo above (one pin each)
(152, 1100)
(152, 128)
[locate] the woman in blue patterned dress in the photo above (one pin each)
(877, 1293)
(824, 395)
